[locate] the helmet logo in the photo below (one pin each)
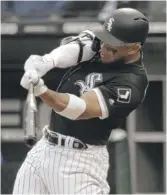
(109, 24)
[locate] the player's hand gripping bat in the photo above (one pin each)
(30, 123)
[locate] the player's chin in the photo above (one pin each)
(107, 60)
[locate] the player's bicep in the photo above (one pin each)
(107, 101)
(117, 100)
(93, 108)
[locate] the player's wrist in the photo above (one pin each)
(40, 88)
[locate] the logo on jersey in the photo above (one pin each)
(111, 101)
(124, 95)
(89, 82)
(109, 24)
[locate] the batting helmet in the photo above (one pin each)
(126, 25)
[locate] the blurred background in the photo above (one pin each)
(36, 27)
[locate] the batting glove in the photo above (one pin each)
(39, 86)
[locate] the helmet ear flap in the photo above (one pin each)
(96, 45)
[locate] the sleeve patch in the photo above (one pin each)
(124, 95)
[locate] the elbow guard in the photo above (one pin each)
(67, 40)
(95, 41)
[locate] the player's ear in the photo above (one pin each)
(133, 49)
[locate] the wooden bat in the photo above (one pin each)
(30, 122)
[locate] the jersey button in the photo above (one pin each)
(68, 79)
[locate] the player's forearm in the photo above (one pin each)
(57, 101)
(66, 105)
(71, 106)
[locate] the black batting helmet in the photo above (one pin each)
(126, 25)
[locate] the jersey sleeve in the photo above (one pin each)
(117, 99)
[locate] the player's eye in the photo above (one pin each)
(114, 50)
(110, 48)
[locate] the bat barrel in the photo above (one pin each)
(30, 122)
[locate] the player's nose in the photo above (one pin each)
(101, 47)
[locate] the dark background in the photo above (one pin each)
(146, 127)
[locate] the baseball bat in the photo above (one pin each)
(30, 123)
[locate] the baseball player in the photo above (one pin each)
(106, 80)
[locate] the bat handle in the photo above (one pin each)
(31, 87)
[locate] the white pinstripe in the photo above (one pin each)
(70, 143)
(28, 182)
(67, 141)
(61, 170)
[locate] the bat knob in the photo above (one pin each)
(30, 141)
